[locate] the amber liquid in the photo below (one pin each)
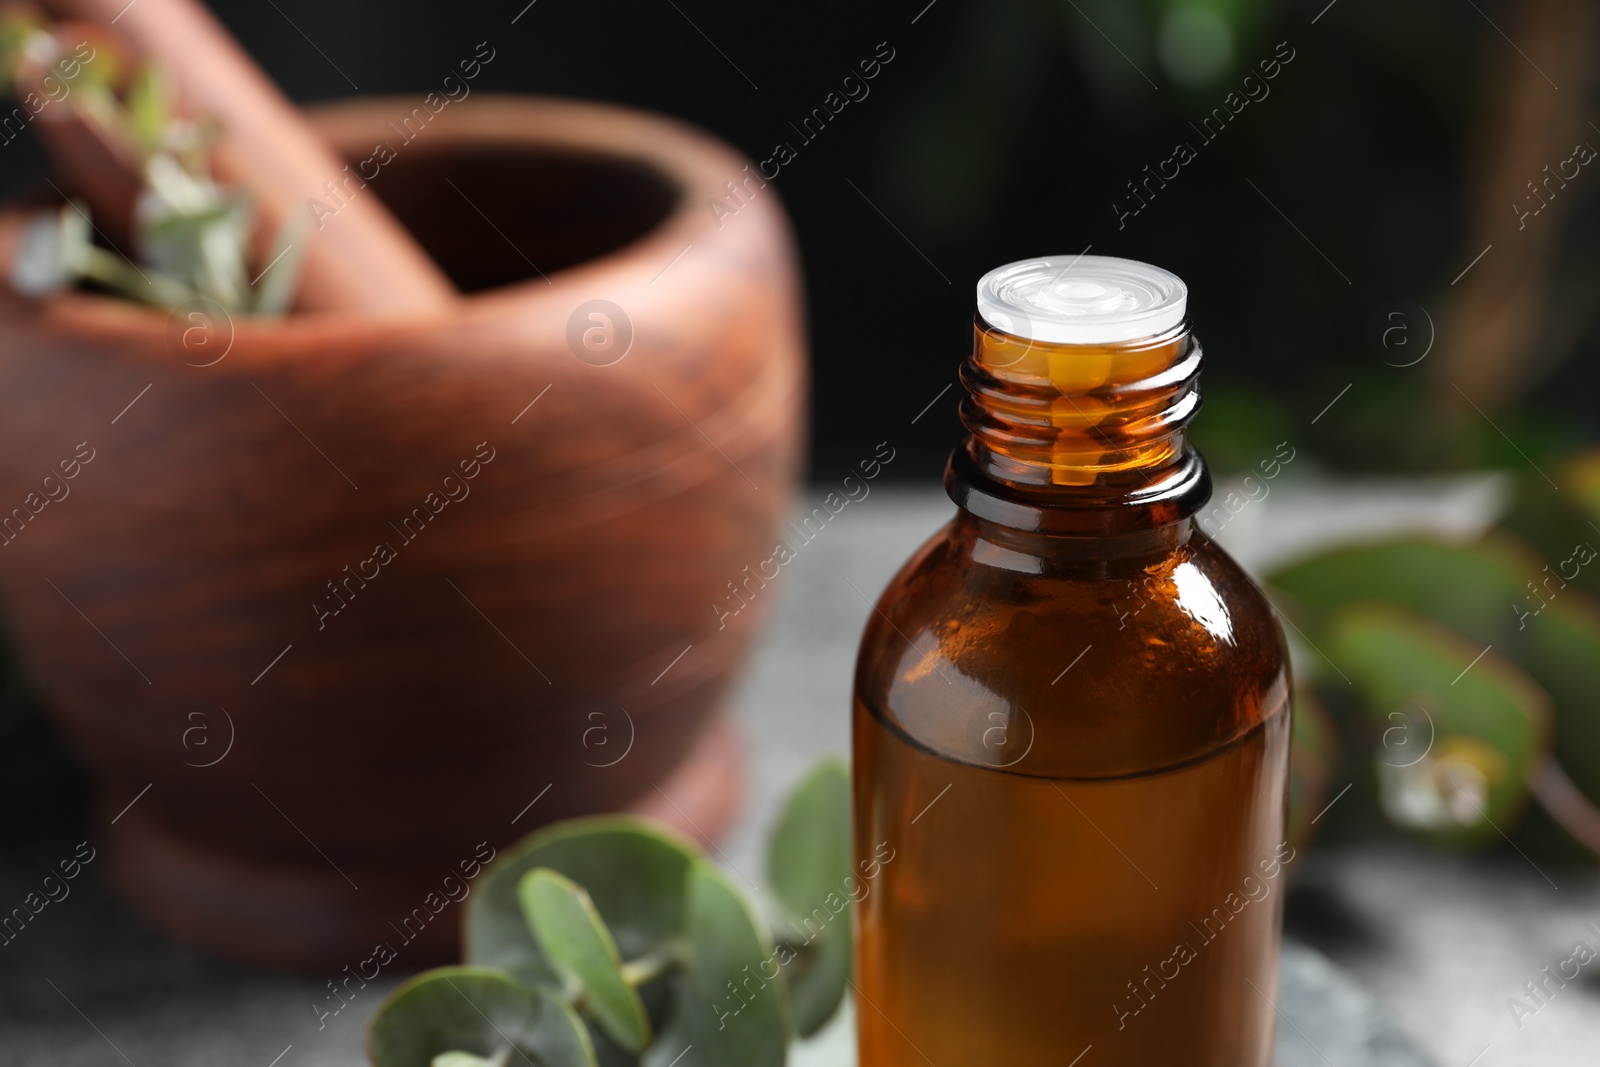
(1017, 910)
(1088, 859)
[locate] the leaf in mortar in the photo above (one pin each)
(1464, 729)
(48, 61)
(809, 866)
(224, 247)
(479, 1011)
(149, 107)
(42, 263)
(579, 947)
(190, 228)
(633, 871)
(275, 284)
(175, 196)
(105, 65)
(18, 26)
(728, 1000)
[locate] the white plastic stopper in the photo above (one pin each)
(1084, 300)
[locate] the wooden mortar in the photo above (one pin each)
(545, 647)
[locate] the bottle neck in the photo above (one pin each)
(1080, 440)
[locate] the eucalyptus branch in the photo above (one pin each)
(192, 234)
(653, 965)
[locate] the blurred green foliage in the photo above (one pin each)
(192, 233)
(1463, 679)
(608, 940)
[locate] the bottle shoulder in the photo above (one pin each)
(1093, 667)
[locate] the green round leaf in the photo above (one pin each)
(809, 866)
(478, 1011)
(579, 947)
(633, 871)
(1448, 710)
(149, 106)
(819, 973)
(729, 1005)
(276, 286)
(1470, 588)
(1552, 631)
(467, 1059)
(809, 854)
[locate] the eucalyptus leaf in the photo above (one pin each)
(728, 1007)
(193, 234)
(275, 285)
(108, 67)
(57, 250)
(18, 27)
(1482, 590)
(200, 240)
(50, 254)
(1471, 588)
(1463, 729)
(476, 1011)
(579, 948)
(1313, 756)
(149, 106)
(809, 854)
(809, 867)
(173, 228)
(818, 974)
(634, 872)
(467, 1059)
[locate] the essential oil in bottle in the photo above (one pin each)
(1071, 721)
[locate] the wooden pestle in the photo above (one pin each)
(360, 259)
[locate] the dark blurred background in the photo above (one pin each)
(1349, 189)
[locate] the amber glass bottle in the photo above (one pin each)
(1071, 721)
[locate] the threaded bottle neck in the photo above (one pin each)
(1079, 438)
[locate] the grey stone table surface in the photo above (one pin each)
(1415, 955)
